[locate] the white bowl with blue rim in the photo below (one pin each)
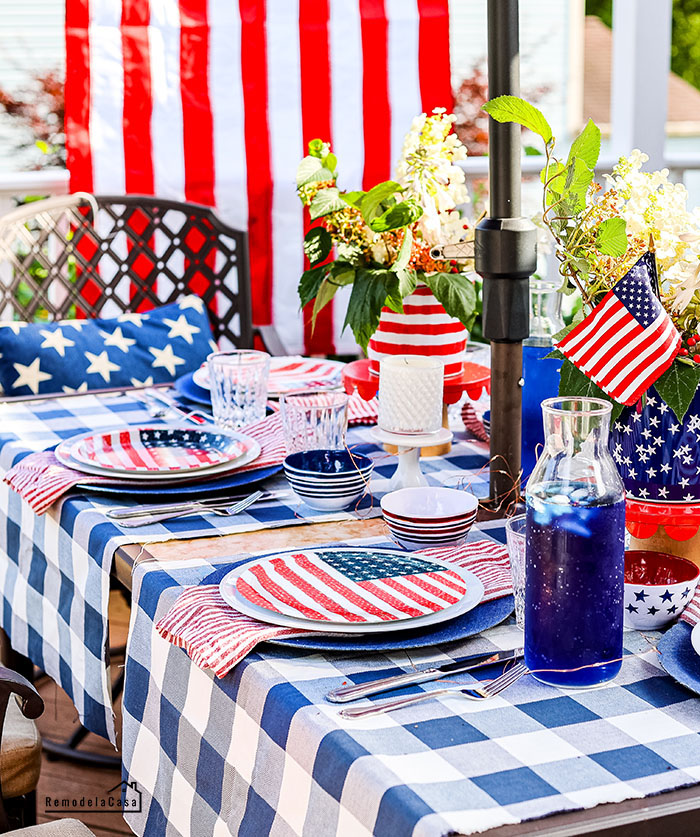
(328, 480)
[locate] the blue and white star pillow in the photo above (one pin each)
(129, 350)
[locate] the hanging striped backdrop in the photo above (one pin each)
(214, 102)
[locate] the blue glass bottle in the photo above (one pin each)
(574, 560)
(540, 373)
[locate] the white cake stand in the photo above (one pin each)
(408, 473)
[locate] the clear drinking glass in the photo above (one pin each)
(238, 381)
(515, 539)
(575, 552)
(314, 419)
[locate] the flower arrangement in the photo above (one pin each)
(601, 232)
(382, 238)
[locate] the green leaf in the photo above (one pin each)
(317, 148)
(370, 204)
(352, 198)
(555, 175)
(400, 215)
(310, 282)
(555, 354)
(574, 384)
(677, 387)
(326, 292)
(311, 170)
(393, 300)
(325, 202)
(404, 254)
(515, 109)
(578, 178)
(342, 273)
(369, 293)
(456, 293)
(531, 151)
(42, 146)
(330, 161)
(317, 245)
(586, 146)
(408, 282)
(611, 237)
(560, 335)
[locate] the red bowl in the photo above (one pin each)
(644, 566)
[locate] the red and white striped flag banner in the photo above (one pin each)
(215, 101)
(628, 341)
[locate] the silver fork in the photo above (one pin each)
(228, 511)
(480, 692)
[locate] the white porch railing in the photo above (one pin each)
(20, 184)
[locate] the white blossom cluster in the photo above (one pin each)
(428, 172)
(650, 203)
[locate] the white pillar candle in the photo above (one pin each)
(410, 394)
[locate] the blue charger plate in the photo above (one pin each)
(187, 388)
(678, 656)
(199, 489)
(474, 621)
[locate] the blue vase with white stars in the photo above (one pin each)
(657, 455)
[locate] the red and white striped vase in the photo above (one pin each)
(423, 329)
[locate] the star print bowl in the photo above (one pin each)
(657, 588)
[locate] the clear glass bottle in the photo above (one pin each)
(540, 374)
(575, 547)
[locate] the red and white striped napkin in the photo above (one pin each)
(41, 479)
(691, 614)
(473, 423)
(218, 637)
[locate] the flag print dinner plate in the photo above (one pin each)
(247, 449)
(157, 449)
(348, 590)
(290, 373)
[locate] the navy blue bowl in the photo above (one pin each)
(331, 462)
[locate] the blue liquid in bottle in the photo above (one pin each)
(574, 584)
(540, 381)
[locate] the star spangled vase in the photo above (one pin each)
(423, 329)
(658, 455)
(575, 549)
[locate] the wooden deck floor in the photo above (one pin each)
(66, 780)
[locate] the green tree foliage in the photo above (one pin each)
(685, 38)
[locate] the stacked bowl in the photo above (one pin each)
(328, 480)
(429, 516)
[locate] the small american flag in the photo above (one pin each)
(344, 585)
(628, 340)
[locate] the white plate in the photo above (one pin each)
(695, 638)
(89, 451)
(64, 457)
(279, 383)
(473, 596)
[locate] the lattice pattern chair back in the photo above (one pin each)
(84, 256)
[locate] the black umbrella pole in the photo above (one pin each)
(505, 256)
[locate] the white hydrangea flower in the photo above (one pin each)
(427, 170)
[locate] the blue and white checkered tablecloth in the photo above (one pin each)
(55, 568)
(261, 752)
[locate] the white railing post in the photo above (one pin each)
(641, 62)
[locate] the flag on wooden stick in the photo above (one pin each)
(628, 341)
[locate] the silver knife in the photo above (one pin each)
(344, 694)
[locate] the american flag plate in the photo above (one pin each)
(290, 373)
(351, 590)
(157, 452)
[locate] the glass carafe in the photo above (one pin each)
(574, 549)
(540, 373)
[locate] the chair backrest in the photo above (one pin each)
(88, 256)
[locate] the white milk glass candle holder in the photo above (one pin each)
(410, 394)
(314, 420)
(515, 540)
(238, 381)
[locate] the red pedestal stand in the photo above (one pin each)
(473, 380)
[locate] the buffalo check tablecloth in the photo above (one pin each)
(55, 567)
(261, 752)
